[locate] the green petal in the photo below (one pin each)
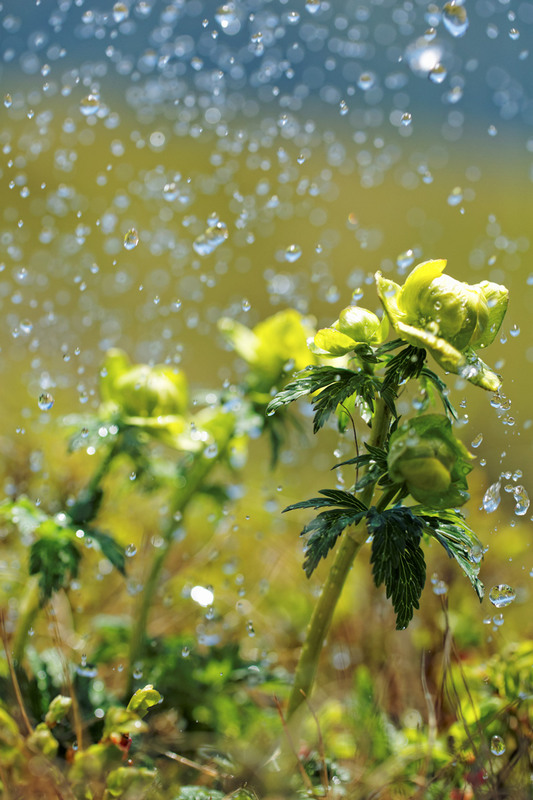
(242, 339)
(334, 342)
(477, 372)
(497, 298)
(389, 294)
(418, 280)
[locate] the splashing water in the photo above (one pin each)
(492, 498)
(502, 595)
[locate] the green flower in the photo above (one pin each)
(150, 398)
(273, 350)
(449, 318)
(139, 390)
(425, 456)
(355, 326)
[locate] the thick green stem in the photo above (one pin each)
(200, 466)
(351, 543)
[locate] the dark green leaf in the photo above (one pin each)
(86, 506)
(325, 529)
(404, 365)
(450, 529)
(332, 497)
(432, 381)
(397, 559)
(109, 547)
(387, 347)
(54, 557)
(334, 385)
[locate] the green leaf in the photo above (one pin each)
(397, 559)
(429, 379)
(54, 557)
(86, 506)
(405, 365)
(110, 548)
(332, 497)
(325, 529)
(458, 539)
(144, 699)
(334, 386)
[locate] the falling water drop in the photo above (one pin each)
(476, 441)
(522, 501)
(491, 498)
(293, 253)
(406, 119)
(120, 12)
(438, 73)
(497, 746)
(46, 401)
(455, 18)
(502, 595)
(90, 105)
(312, 6)
(131, 239)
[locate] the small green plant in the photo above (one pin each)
(411, 476)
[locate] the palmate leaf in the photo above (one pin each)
(343, 510)
(397, 558)
(458, 539)
(334, 385)
(406, 364)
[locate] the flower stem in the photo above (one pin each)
(196, 472)
(351, 543)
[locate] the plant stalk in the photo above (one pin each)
(200, 466)
(351, 543)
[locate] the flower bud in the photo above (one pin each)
(430, 461)
(449, 318)
(355, 326)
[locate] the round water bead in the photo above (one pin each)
(46, 401)
(497, 746)
(131, 239)
(502, 595)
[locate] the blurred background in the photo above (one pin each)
(167, 162)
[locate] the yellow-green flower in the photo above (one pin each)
(448, 318)
(425, 456)
(273, 350)
(355, 326)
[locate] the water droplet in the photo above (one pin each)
(202, 595)
(293, 17)
(438, 73)
(208, 241)
(406, 119)
(455, 197)
(46, 401)
(476, 441)
(502, 595)
(515, 331)
(475, 554)
(522, 501)
(514, 34)
(455, 18)
(250, 628)
(293, 253)
(405, 259)
(312, 6)
(343, 108)
(246, 305)
(366, 81)
(130, 551)
(491, 498)
(90, 105)
(171, 191)
(8, 100)
(131, 239)
(185, 652)
(497, 746)
(211, 451)
(120, 12)
(227, 18)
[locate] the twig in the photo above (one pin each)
(14, 679)
(305, 777)
(212, 773)
(321, 749)
(78, 727)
